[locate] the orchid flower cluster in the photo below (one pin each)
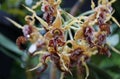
(66, 43)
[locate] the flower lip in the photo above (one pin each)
(88, 31)
(105, 27)
(101, 39)
(57, 32)
(75, 54)
(88, 35)
(21, 42)
(51, 43)
(60, 42)
(27, 30)
(104, 50)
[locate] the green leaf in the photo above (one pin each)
(114, 68)
(6, 52)
(8, 44)
(102, 74)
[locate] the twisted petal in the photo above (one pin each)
(115, 21)
(58, 22)
(92, 4)
(15, 23)
(38, 18)
(39, 65)
(86, 67)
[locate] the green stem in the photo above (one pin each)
(70, 34)
(87, 13)
(29, 74)
(53, 71)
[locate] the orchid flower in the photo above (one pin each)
(55, 46)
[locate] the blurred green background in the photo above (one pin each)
(13, 62)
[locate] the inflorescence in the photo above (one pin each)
(67, 41)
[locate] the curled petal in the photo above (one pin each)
(45, 57)
(39, 65)
(38, 18)
(40, 52)
(43, 69)
(86, 67)
(92, 4)
(30, 20)
(44, 63)
(75, 55)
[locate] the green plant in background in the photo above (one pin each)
(69, 42)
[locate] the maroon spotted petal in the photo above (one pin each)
(88, 34)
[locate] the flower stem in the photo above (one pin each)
(53, 71)
(70, 34)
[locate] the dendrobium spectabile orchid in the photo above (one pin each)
(66, 43)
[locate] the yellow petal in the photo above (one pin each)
(42, 21)
(38, 18)
(112, 1)
(48, 35)
(29, 9)
(63, 64)
(62, 75)
(71, 23)
(39, 52)
(104, 1)
(71, 17)
(15, 23)
(51, 2)
(30, 19)
(99, 2)
(115, 21)
(79, 34)
(114, 49)
(92, 4)
(86, 67)
(58, 21)
(36, 5)
(58, 2)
